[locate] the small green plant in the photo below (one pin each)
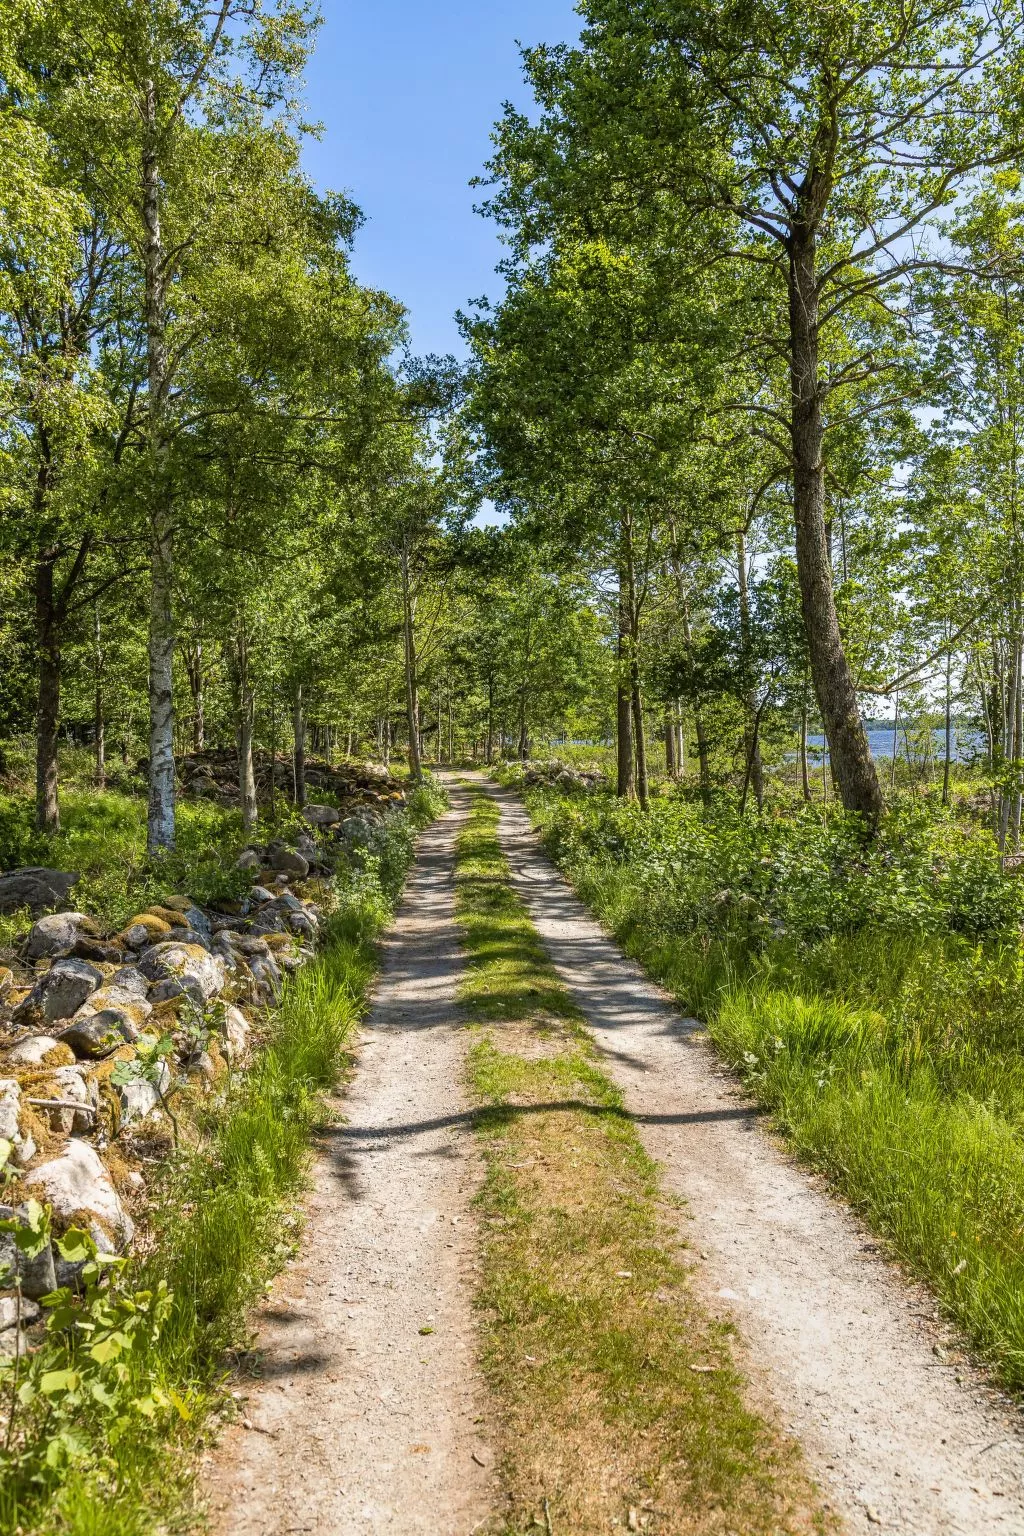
(149, 1065)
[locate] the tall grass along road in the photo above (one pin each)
(896, 1433)
(363, 1415)
(619, 1397)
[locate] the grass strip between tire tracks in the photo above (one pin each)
(224, 1224)
(620, 1400)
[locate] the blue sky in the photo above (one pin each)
(408, 91)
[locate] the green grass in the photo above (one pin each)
(617, 1392)
(892, 1057)
(224, 1224)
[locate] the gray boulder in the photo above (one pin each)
(322, 815)
(248, 859)
(141, 1098)
(35, 887)
(60, 991)
(58, 933)
(176, 968)
(199, 922)
(77, 1182)
(288, 862)
(9, 1310)
(37, 1275)
(131, 980)
(95, 1035)
(302, 922)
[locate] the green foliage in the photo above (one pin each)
(712, 871)
(103, 838)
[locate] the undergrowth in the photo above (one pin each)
(112, 1408)
(620, 1400)
(870, 996)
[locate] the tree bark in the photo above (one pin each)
(626, 786)
(639, 736)
(671, 766)
(489, 750)
(412, 702)
(299, 752)
(753, 774)
(99, 723)
(245, 720)
(805, 778)
(196, 684)
(160, 826)
(830, 669)
(48, 711)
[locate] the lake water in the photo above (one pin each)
(966, 743)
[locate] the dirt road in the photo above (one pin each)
(365, 1415)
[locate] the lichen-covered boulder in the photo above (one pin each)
(145, 928)
(131, 980)
(131, 1009)
(78, 1096)
(23, 1147)
(78, 1186)
(40, 1051)
(197, 973)
(236, 1034)
(58, 933)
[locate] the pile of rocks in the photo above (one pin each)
(213, 775)
(560, 776)
(75, 1002)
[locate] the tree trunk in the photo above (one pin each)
(639, 737)
(245, 719)
(753, 774)
(99, 724)
(160, 826)
(48, 712)
(194, 671)
(895, 741)
(830, 670)
(299, 752)
(412, 702)
(671, 766)
(626, 787)
(703, 754)
(805, 778)
(489, 750)
(948, 732)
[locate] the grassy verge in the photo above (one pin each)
(889, 1053)
(113, 1407)
(621, 1403)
